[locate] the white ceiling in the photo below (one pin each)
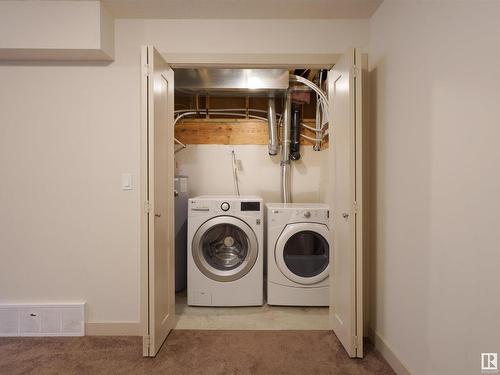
(282, 9)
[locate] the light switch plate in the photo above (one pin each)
(126, 181)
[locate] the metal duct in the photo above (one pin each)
(273, 128)
(231, 82)
(285, 150)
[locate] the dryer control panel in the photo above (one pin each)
(314, 213)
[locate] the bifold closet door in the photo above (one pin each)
(346, 308)
(159, 99)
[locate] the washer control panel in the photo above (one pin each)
(226, 206)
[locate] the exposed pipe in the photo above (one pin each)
(295, 132)
(323, 98)
(214, 112)
(321, 103)
(273, 128)
(285, 150)
(221, 109)
(317, 144)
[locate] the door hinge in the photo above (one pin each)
(355, 207)
(148, 69)
(355, 342)
(354, 71)
(147, 207)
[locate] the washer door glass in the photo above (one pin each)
(225, 246)
(306, 254)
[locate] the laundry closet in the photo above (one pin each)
(225, 130)
(266, 161)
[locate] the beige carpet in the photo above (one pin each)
(190, 352)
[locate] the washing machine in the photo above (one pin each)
(225, 251)
(298, 254)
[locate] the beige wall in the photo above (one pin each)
(35, 24)
(68, 131)
(209, 168)
(247, 36)
(55, 30)
(435, 107)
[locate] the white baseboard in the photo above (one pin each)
(113, 329)
(388, 354)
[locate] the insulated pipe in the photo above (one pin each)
(285, 150)
(273, 128)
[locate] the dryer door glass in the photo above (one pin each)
(306, 254)
(225, 246)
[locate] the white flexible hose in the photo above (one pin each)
(311, 85)
(314, 139)
(221, 109)
(323, 103)
(235, 173)
(323, 99)
(308, 127)
(179, 143)
(214, 112)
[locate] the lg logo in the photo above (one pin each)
(489, 363)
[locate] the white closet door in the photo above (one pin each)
(160, 205)
(346, 309)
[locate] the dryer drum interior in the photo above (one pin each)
(306, 254)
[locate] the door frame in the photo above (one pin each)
(260, 60)
(143, 194)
